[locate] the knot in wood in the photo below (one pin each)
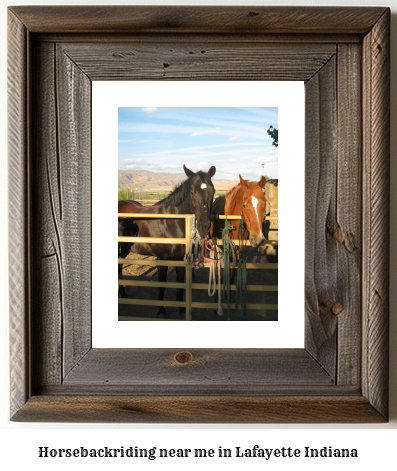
(183, 358)
(337, 308)
(338, 235)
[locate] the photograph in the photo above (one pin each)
(209, 177)
(190, 155)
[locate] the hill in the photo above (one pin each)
(144, 180)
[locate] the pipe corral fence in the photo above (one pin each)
(188, 284)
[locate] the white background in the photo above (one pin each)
(19, 442)
(289, 330)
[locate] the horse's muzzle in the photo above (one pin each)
(256, 241)
(203, 228)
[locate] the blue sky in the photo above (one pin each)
(233, 139)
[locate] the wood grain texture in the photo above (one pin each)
(333, 215)
(19, 227)
(199, 409)
(337, 377)
(346, 228)
(63, 219)
(321, 277)
(73, 90)
(157, 370)
(141, 59)
(376, 92)
(193, 19)
(47, 293)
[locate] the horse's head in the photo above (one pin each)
(253, 209)
(201, 196)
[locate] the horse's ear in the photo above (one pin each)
(211, 171)
(262, 182)
(243, 182)
(188, 172)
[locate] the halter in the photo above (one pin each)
(193, 259)
(206, 246)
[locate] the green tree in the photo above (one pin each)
(273, 133)
(123, 194)
(266, 176)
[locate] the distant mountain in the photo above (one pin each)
(143, 180)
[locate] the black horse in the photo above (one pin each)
(193, 196)
(127, 228)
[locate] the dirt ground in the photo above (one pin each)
(148, 273)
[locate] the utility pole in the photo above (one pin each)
(263, 169)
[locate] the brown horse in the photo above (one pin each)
(246, 200)
(193, 196)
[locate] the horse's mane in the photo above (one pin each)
(181, 191)
(232, 193)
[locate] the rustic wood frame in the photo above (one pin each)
(342, 373)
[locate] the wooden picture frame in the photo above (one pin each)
(342, 54)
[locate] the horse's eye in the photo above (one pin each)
(245, 207)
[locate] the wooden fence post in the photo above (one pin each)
(188, 269)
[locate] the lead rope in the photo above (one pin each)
(241, 278)
(194, 247)
(220, 309)
(212, 279)
(241, 288)
(228, 250)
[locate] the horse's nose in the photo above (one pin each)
(256, 241)
(203, 228)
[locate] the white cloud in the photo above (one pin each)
(227, 154)
(158, 166)
(271, 156)
(125, 162)
(273, 151)
(155, 128)
(236, 138)
(209, 131)
(204, 166)
(149, 110)
(127, 167)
